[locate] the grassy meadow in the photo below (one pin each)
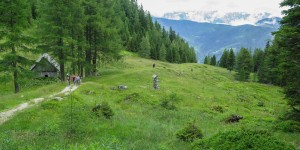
(206, 95)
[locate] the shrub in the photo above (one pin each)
(104, 109)
(170, 101)
(189, 133)
(261, 104)
(243, 139)
(218, 109)
(289, 126)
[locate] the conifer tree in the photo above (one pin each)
(258, 58)
(271, 63)
(145, 47)
(162, 53)
(224, 59)
(244, 64)
(77, 42)
(54, 29)
(14, 22)
(213, 61)
(231, 60)
(288, 38)
(207, 60)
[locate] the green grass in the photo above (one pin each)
(9, 100)
(139, 121)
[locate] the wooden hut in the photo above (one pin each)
(46, 66)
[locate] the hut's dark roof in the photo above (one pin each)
(49, 59)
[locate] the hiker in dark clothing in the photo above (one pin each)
(153, 65)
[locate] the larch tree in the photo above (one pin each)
(54, 25)
(14, 21)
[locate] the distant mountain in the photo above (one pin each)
(209, 39)
(216, 17)
(269, 22)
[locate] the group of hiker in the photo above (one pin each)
(75, 79)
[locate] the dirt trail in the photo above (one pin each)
(6, 115)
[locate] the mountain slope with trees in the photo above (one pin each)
(81, 34)
(279, 63)
(212, 39)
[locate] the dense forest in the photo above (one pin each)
(82, 33)
(278, 64)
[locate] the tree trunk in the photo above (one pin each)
(88, 55)
(88, 62)
(95, 56)
(95, 63)
(72, 54)
(61, 60)
(16, 84)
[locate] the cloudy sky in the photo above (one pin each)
(159, 7)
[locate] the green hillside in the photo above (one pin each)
(206, 95)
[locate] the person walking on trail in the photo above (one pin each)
(153, 65)
(77, 80)
(68, 79)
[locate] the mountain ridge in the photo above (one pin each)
(211, 39)
(217, 17)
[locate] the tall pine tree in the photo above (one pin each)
(231, 60)
(258, 58)
(54, 29)
(145, 47)
(14, 20)
(288, 38)
(244, 64)
(213, 61)
(224, 59)
(207, 60)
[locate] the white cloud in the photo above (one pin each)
(159, 7)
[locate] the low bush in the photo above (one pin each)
(261, 104)
(103, 109)
(218, 109)
(189, 133)
(288, 126)
(242, 139)
(170, 101)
